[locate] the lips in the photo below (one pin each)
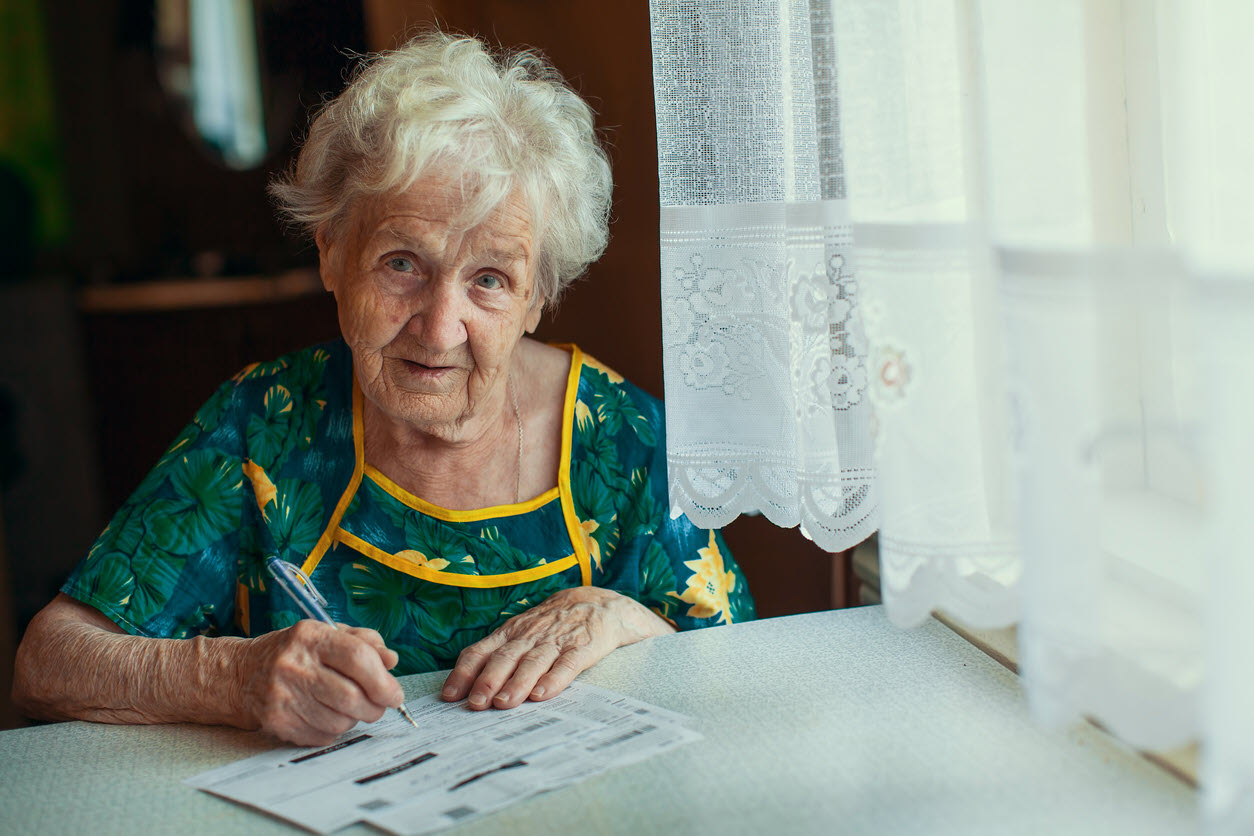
(433, 372)
(429, 367)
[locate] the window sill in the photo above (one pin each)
(184, 294)
(1002, 645)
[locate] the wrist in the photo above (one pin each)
(638, 621)
(221, 672)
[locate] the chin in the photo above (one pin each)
(441, 420)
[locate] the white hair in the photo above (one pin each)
(507, 122)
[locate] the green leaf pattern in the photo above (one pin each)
(160, 566)
(296, 523)
(268, 431)
(204, 505)
(379, 599)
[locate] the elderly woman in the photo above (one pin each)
(461, 495)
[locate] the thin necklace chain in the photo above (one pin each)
(513, 396)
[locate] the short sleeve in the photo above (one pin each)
(684, 573)
(165, 567)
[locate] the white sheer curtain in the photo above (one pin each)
(765, 371)
(1037, 233)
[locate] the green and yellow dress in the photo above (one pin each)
(274, 463)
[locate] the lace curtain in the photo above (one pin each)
(764, 359)
(981, 274)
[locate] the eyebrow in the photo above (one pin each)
(498, 255)
(502, 255)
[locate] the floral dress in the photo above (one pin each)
(274, 464)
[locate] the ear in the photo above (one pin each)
(533, 315)
(327, 267)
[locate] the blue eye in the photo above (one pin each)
(490, 281)
(400, 264)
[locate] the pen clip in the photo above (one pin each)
(300, 575)
(293, 574)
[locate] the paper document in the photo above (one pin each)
(458, 765)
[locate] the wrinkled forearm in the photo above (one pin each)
(72, 667)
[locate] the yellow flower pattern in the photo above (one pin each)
(419, 559)
(709, 587)
(263, 488)
(587, 528)
(281, 397)
(253, 370)
(583, 415)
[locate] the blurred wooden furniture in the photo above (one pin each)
(865, 564)
(9, 718)
(157, 350)
(51, 499)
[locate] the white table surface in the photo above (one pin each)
(832, 722)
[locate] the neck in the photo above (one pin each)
(476, 470)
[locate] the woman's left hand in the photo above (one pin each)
(536, 654)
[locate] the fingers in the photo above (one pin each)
(510, 674)
(470, 663)
(362, 666)
(534, 664)
(307, 721)
(563, 672)
(360, 656)
(310, 682)
(387, 655)
(536, 654)
(297, 714)
(518, 671)
(345, 696)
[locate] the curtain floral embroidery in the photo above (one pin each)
(765, 359)
(980, 276)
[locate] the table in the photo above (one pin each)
(832, 722)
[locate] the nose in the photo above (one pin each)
(439, 323)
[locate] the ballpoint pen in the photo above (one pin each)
(293, 581)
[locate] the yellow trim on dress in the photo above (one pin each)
(573, 529)
(417, 503)
(359, 454)
(426, 573)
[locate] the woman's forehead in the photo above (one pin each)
(439, 208)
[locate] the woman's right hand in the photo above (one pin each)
(309, 683)
(306, 684)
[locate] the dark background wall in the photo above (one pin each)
(99, 370)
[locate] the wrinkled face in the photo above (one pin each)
(433, 312)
